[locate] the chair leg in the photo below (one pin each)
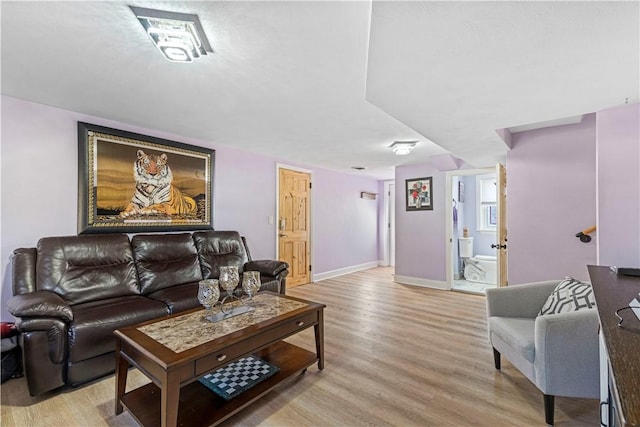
(548, 408)
(496, 358)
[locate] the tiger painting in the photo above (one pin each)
(155, 192)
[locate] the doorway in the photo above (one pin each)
(476, 229)
(294, 223)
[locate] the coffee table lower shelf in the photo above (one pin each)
(200, 406)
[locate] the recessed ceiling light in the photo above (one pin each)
(179, 36)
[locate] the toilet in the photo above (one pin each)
(478, 268)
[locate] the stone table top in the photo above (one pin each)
(191, 330)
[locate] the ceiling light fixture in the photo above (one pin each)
(179, 36)
(402, 148)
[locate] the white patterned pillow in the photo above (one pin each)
(570, 295)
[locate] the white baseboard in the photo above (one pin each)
(341, 271)
(416, 281)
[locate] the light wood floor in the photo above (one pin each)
(395, 356)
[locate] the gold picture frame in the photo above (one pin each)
(128, 182)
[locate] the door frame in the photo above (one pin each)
(449, 216)
(501, 235)
(276, 231)
(386, 235)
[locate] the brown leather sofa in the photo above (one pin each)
(71, 293)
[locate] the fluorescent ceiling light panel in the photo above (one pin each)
(179, 36)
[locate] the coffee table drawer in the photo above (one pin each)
(226, 355)
(288, 328)
(213, 361)
(298, 324)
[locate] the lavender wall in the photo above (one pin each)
(551, 196)
(420, 243)
(344, 224)
(245, 197)
(618, 157)
(39, 192)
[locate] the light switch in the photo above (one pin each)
(270, 219)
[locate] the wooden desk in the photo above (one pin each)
(612, 292)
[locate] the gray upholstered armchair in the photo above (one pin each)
(557, 352)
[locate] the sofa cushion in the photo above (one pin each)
(570, 295)
(217, 249)
(517, 332)
(91, 333)
(86, 268)
(178, 298)
(165, 260)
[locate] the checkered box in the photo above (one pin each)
(238, 376)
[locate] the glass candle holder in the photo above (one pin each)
(229, 279)
(251, 283)
(208, 294)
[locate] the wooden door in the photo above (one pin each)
(294, 225)
(501, 205)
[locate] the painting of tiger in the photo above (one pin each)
(154, 192)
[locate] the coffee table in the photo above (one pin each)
(173, 352)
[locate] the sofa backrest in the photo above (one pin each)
(165, 260)
(219, 248)
(86, 268)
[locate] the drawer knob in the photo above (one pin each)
(300, 323)
(221, 357)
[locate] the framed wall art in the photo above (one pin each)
(133, 183)
(419, 194)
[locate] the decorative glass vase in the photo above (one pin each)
(251, 283)
(208, 294)
(229, 279)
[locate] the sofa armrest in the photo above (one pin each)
(566, 353)
(524, 300)
(44, 349)
(268, 267)
(40, 304)
(55, 331)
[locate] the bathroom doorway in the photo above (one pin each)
(476, 229)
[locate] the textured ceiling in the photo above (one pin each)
(457, 71)
(332, 84)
